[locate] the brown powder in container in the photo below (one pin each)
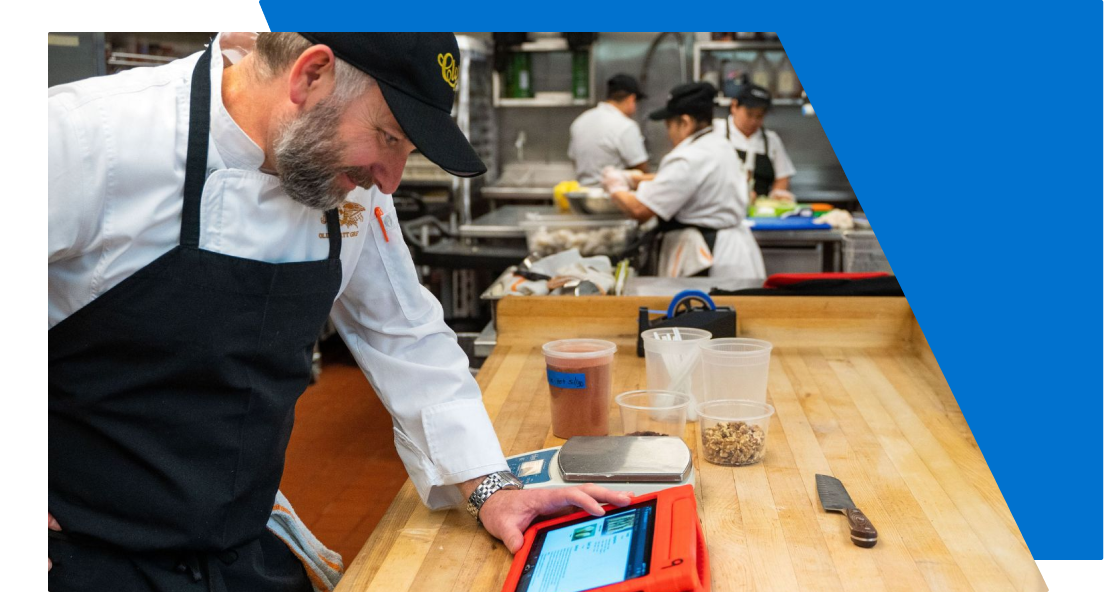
(582, 411)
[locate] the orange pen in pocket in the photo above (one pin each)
(379, 218)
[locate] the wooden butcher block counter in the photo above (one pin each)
(858, 395)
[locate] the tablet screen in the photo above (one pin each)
(591, 552)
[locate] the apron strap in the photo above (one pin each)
(195, 168)
(333, 227)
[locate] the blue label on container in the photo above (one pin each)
(566, 380)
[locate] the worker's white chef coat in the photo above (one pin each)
(754, 146)
(117, 147)
(604, 136)
(700, 183)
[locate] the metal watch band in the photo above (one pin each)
(489, 485)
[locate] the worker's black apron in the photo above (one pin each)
(172, 398)
(763, 175)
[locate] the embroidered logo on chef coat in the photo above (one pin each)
(449, 70)
(350, 215)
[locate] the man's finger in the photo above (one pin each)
(581, 499)
(608, 496)
(53, 522)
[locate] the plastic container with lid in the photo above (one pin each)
(580, 373)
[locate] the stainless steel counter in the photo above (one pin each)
(501, 223)
(502, 193)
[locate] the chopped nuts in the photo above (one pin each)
(734, 443)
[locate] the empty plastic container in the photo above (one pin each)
(735, 368)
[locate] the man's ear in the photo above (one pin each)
(311, 74)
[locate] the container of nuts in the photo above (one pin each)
(734, 431)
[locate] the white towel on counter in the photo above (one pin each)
(324, 567)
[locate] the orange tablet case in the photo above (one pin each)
(679, 561)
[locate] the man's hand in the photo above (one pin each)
(53, 526)
(638, 176)
(507, 513)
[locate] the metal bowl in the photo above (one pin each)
(592, 202)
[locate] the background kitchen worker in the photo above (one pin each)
(698, 194)
(760, 150)
(205, 217)
(606, 135)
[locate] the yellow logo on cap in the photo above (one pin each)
(449, 70)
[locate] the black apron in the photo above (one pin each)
(763, 175)
(172, 398)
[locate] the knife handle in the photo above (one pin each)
(863, 533)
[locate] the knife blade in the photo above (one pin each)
(834, 498)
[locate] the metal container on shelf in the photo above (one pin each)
(591, 202)
(546, 234)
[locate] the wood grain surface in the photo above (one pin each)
(858, 395)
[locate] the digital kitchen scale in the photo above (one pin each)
(654, 544)
(636, 464)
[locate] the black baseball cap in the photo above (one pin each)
(692, 98)
(624, 82)
(753, 96)
(417, 73)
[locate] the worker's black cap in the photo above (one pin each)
(624, 82)
(417, 73)
(693, 98)
(753, 96)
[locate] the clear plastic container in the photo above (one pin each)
(736, 368)
(862, 252)
(546, 234)
(734, 432)
(653, 413)
(580, 373)
(673, 360)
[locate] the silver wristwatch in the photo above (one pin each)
(491, 484)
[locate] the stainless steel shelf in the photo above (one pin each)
(543, 102)
(740, 45)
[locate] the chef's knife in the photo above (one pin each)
(834, 498)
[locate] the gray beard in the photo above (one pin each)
(306, 155)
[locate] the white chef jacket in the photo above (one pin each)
(117, 147)
(700, 183)
(783, 166)
(604, 136)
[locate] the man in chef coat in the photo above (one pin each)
(206, 217)
(698, 194)
(760, 150)
(607, 135)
